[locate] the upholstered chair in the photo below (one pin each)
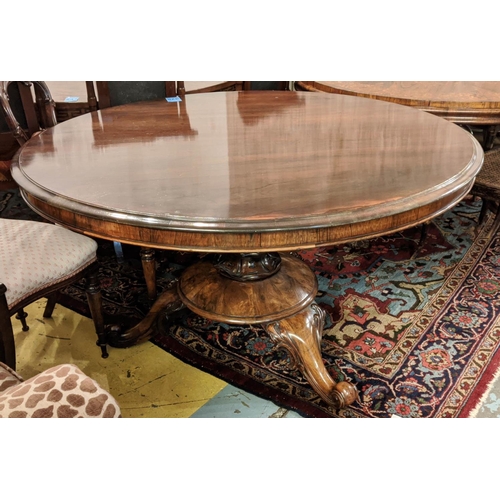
(63, 391)
(36, 260)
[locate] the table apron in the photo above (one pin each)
(251, 241)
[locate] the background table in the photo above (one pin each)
(470, 103)
(248, 177)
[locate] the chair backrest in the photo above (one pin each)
(116, 93)
(113, 93)
(266, 86)
(24, 114)
(192, 87)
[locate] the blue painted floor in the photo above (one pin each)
(232, 402)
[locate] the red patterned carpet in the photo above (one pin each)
(417, 335)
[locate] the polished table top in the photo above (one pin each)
(266, 169)
(467, 101)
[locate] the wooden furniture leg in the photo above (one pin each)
(424, 231)
(149, 268)
(51, 304)
(275, 290)
(94, 297)
(167, 303)
(489, 135)
(21, 316)
(301, 336)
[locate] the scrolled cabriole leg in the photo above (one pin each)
(301, 336)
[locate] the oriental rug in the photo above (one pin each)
(417, 330)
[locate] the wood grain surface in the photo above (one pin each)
(472, 102)
(247, 171)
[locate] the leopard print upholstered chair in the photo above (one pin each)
(63, 391)
(36, 260)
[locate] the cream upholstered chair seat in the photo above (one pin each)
(63, 391)
(37, 260)
(35, 255)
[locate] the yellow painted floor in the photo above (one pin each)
(145, 380)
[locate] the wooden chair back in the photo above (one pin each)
(24, 113)
(116, 93)
(266, 85)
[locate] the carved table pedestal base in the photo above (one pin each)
(275, 290)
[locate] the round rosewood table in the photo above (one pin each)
(248, 177)
(470, 103)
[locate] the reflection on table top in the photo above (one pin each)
(254, 160)
(477, 100)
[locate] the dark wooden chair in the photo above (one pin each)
(202, 87)
(266, 85)
(83, 91)
(199, 87)
(37, 260)
(88, 99)
(8, 148)
(116, 93)
(487, 187)
(23, 114)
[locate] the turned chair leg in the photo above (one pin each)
(21, 316)
(94, 297)
(7, 345)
